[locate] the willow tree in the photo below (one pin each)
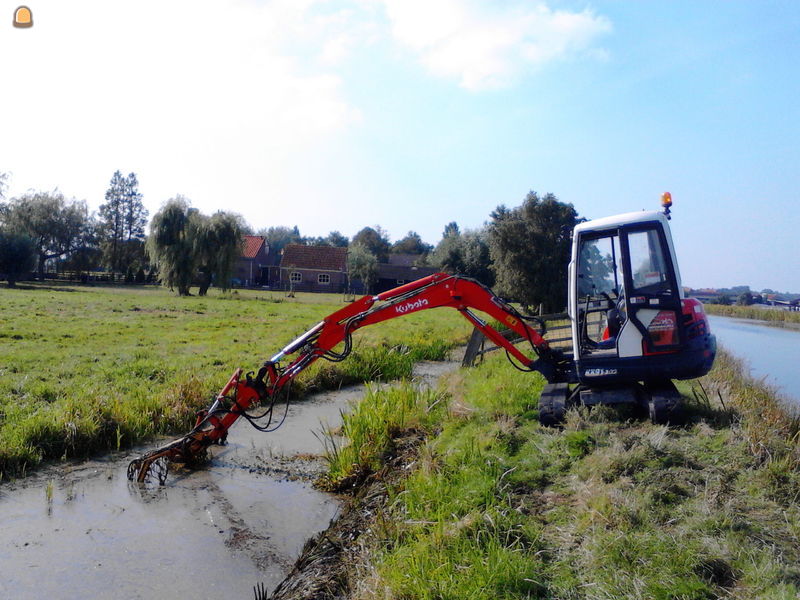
(171, 243)
(56, 225)
(185, 244)
(217, 245)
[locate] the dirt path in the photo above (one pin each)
(85, 531)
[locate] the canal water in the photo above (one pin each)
(771, 352)
(82, 530)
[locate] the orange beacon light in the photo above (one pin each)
(23, 17)
(666, 202)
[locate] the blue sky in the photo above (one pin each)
(410, 114)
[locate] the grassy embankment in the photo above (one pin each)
(753, 312)
(609, 507)
(87, 369)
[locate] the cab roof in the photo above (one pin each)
(613, 221)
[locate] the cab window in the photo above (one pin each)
(598, 267)
(648, 266)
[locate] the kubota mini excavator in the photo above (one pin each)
(633, 331)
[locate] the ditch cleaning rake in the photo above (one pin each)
(211, 428)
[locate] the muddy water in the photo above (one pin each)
(84, 531)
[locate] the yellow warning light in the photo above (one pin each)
(666, 199)
(23, 17)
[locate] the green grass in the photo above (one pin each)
(88, 369)
(753, 312)
(609, 507)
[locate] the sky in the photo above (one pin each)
(409, 114)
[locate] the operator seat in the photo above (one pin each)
(615, 319)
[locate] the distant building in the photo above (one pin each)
(705, 295)
(401, 269)
(252, 267)
(312, 269)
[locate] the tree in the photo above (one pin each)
(530, 250)
(3, 185)
(376, 240)
(17, 255)
(448, 255)
(362, 265)
(183, 241)
(82, 260)
(111, 219)
(411, 244)
(744, 299)
(337, 240)
(123, 218)
(56, 225)
(476, 257)
(134, 216)
(170, 245)
(465, 254)
(217, 243)
(451, 229)
(280, 237)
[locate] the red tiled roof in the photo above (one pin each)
(252, 245)
(325, 258)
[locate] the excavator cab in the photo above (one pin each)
(633, 331)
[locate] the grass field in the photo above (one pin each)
(87, 369)
(753, 312)
(609, 507)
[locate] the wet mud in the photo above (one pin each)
(85, 531)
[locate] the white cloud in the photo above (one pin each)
(191, 94)
(484, 46)
(232, 104)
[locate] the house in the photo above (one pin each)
(401, 269)
(313, 269)
(252, 267)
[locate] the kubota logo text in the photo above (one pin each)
(404, 308)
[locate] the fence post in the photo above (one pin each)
(474, 347)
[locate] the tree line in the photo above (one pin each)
(39, 226)
(521, 252)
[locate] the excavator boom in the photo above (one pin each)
(243, 393)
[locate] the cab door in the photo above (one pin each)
(652, 296)
(598, 302)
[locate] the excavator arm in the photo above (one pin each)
(245, 391)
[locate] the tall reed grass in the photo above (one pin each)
(753, 312)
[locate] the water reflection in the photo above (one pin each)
(772, 353)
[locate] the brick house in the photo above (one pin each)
(252, 267)
(313, 269)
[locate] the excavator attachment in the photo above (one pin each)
(211, 427)
(154, 465)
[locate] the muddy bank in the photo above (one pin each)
(326, 565)
(84, 531)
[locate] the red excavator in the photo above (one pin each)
(633, 331)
